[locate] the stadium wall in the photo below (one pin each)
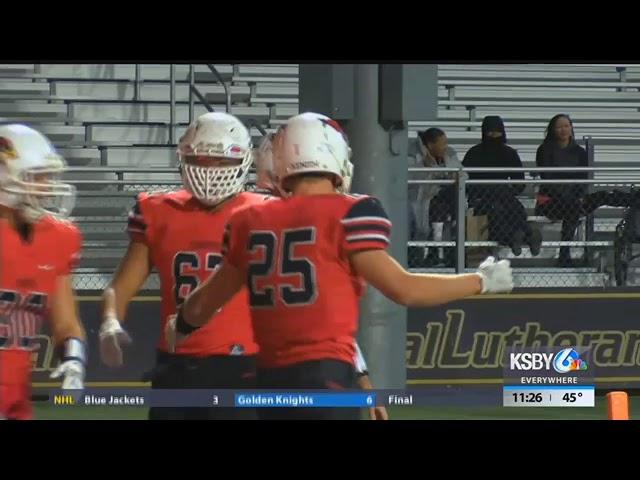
(460, 344)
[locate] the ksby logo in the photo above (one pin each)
(566, 360)
(530, 361)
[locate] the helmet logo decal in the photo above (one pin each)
(7, 150)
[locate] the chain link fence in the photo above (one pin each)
(91, 280)
(577, 229)
(104, 199)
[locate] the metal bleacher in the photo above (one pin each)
(106, 119)
(110, 119)
(604, 103)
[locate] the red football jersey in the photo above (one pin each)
(303, 291)
(28, 272)
(185, 242)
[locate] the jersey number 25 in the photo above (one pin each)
(289, 265)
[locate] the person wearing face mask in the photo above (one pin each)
(569, 202)
(507, 216)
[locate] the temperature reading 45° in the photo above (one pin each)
(571, 397)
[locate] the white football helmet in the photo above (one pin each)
(30, 172)
(311, 142)
(217, 135)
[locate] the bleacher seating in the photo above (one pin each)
(108, 116)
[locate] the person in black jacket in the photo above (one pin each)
(507, 216)
(568, 202)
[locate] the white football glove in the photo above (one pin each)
(73, 371)
(112, 337)
(497, 277)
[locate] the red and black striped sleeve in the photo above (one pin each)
(137, 226)
(366, 226)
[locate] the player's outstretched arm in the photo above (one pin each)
(203, 302)
(131, 274)
(211, 295)
(68, 335)
(217, 290)
(423, 290)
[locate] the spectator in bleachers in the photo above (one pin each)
(569, 202)
(437, 203)
(507, 216)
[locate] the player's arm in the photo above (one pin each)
(130, 275)
(68, 334)
(217, 290)
(203, 302)
(211, 295)
(367, 233)
(222, 285)
(413, 289)
(65, 320)
(364, 382)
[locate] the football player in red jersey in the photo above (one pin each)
(38, 250)
(180, 234)
(266, 183)
(303, 257)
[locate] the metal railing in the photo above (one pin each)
(172, 104)
(137, 82)
(488, 195)
(613, 253)
(227, 90)
(194, 91)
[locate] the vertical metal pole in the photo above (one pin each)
(623, 73)
(136, 85)
(461, 222)
(172, 103)
(192, 82)
(590, 224)
(104, 157)
(379, 172)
